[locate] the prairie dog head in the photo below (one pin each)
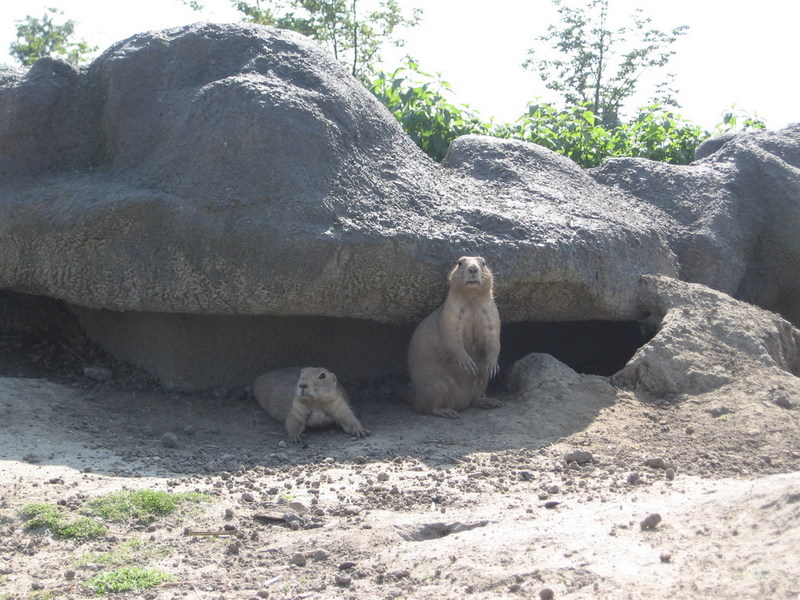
(315, 382)
(471, 273)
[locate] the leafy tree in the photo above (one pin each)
(37, 38)
(353, 34)
(598, 66)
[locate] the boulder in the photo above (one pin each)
(216, 200)
(706, 340)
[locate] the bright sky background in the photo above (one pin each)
(745, 54)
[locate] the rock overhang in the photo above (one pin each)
(238, 171)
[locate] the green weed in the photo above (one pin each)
(47, 516)
(125, 580)
(131, 552)
(141, 506)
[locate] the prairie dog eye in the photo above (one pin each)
(482, 262)
(461, 261)
(322, 375)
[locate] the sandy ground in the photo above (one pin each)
(494, 505)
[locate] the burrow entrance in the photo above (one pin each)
(40, 337)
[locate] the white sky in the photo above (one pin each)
(745, 54)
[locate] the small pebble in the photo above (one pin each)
(248, 497)
(348, 564)
(546, 594)
(665, 557)
(656, 463)
(650, 521)
(383, 476)
(343, 580)
(298, 559)
(581, 457)
(169, 440)
(670, 474)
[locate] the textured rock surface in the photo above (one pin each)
(240, 170)
(707, 340)
(212, 183)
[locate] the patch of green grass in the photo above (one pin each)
(41, 515)
(131, 552)
(125, 580)
(47, 516)
(141, 506)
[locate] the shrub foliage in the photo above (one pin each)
(419, 101)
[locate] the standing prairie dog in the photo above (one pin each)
(454, 350)
(309, 397)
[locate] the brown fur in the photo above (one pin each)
(311, 397)
(454, 350)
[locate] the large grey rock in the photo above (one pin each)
(733, 216)
(196, 190)
(240, 170)
(707, 340)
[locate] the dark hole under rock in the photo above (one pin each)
(41, 338)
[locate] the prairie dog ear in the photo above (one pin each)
(462, 260)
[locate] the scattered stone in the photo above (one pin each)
(552, 504)
(188, 430)
(298, 558)
(382, 476)
(720, 411)
(169, 440)
(347, 565)
(298, 507)
(343, 580)
(670, 473)
(99, 374)
(546, 594)
(581, 457)
(234, 547)
(70, 574)
(229, 513)
(650, 521)
(656, 463)
(319, 555)
(665, 557)
(262, 594)
(248, 497)
(361, 460)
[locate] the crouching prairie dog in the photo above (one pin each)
(309, 397)
(454, 351)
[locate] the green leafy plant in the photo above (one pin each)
(125, 580)
(49, 517)
(419, 101)
(141, 506)
(130, 552)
